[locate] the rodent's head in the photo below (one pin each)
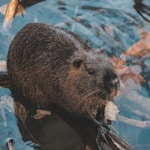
(91, 79)
(94, 74)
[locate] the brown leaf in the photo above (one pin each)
(10, 13)
(144, 34)
(20, 111)
(41, 114)
(126, 72)
(141, 48)
(88, 147)
(117, 62)
(20, 10)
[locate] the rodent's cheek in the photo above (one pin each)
(92, 84)
(114, 93)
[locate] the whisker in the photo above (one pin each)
(90, 93)
(94, 91)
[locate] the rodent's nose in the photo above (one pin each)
(111, 80)
(115, 83)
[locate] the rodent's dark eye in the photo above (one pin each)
(90, 71)
(77, 63)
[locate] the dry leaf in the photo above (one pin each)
(148, 46)
(141, 48)
(126, 72)
(10, 13)
(144, 34)
(117, 62)
(20, 10)
(41, 114)
(88, 147)
(20, 111)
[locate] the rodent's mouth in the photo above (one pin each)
(98, 112)
(114, 90)
(109, 96)
(114, 93)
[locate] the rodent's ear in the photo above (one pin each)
(77, 63)
(101, 50)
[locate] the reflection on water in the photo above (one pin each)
(123, 29)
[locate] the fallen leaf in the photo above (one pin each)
(126, 72)
(148, 45)
(117, 62)
(145, 35)
(88, 147)
(141, 48)
(41, 114)
(10, 13)
(20, 111)
(20, 10)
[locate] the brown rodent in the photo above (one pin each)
(48, 65)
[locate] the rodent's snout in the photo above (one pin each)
(111, 82)
(115, 87)
(115, 83)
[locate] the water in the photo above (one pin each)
(114, 25)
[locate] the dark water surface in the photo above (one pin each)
(114, 25)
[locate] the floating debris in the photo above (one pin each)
(41, 114)
(15, 7)
(20, 111)
(106, 139)
(111, 112)
(10, 144)
(10, 13)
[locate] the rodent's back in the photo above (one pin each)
(37, 56)
(35, 40)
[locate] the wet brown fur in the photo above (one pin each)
(40, 66)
